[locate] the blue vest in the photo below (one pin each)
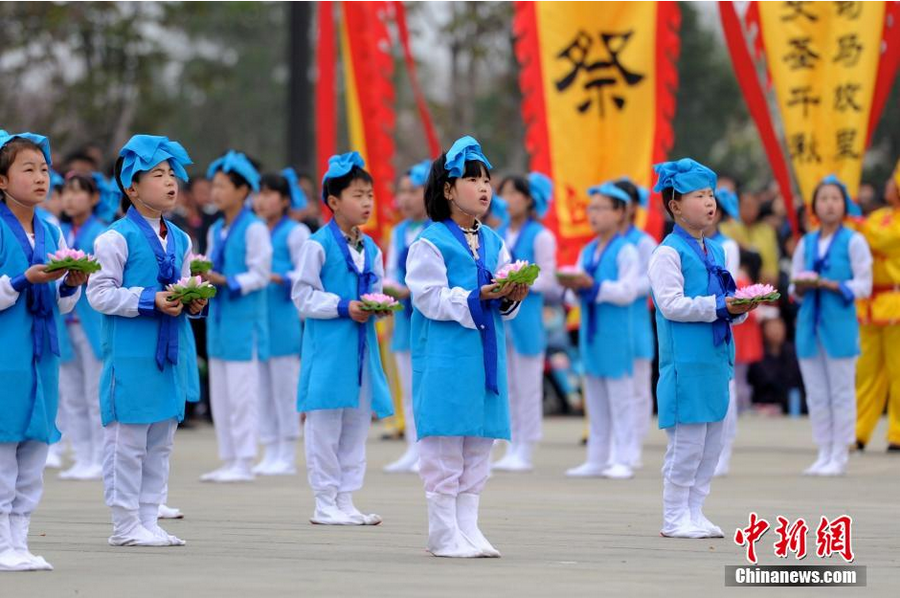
(30, 389)
(237, 323)
(610, 353)
(449, 394)
(527, 328)
(88, 317)
(133, 390)
(693, 371)
(833, 321)
(642, 327)
(329, 369)
(400, 339)
(285, 328)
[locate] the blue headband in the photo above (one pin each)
(39, 140)
(541, 188)
(852, 208)
(237, 163)
(610, 190)
(56, 180)
(418, 174)
(500, 210)
(298, 195)
(110, 198)
(340, 165)
(684, 176)
(465, 149)
(728, 201)
(643, 198)
(143, 152)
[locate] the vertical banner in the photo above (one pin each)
(598, 83)
(823, 58)
(326, 92)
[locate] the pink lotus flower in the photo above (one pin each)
(379, 298)
(188, 282)
(755, 291)
(508, 269)
(199, 257)
(69, 253)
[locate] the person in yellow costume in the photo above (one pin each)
(878, 370)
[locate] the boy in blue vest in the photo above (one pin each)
(147, 359)
(237, 331)
(342, 381)
(279, 423)
(693, 294)
(827, 328)
(411, 203)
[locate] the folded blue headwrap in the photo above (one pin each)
(465, 149)
(418, 174)
(338, 166)
(541, 188)
(684, 176)
(39, 140)
(143, 152)
(56, 180)
(728, 201)
(852, 207)
(110, 198)
(298, 195)
(237, 163)
(643, 192)
(610, 190)
(500, 210)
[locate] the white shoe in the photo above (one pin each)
(18, 535)
(269, 459)
(677, 513)
(467, 518)
(406, 463)
(54, 457)
(508, 459)
(138, 536)
(833, 469)
(13, 560)
(684, 528)
(238, 473)
(282, 468)
(214, 475)
(618, 472)
(166, 512)
(82, 472)
(344, 502)
(444, 536)
(823, 459)
(586, 470)
(328, 513)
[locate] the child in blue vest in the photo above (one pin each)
(609, 268)
(237, 330)
(279, 375)
(527, 200)
(342, 381)
(642, 327)
(692, 292)
(410, 201)
(79, 371)
(31, 300)
(827, 328)
(148, 353)
(458, 351)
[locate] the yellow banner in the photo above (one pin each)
(599, 81)
(823, 58)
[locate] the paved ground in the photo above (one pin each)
(558, 536)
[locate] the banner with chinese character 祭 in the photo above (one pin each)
(598, 83)
(823, 59)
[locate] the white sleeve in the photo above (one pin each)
(645, 247)
(623, 290)
(104, 290)
(667, 284)
(378, 269)
(186, 260)
(307, 291)
(65, 304)
(426, 277)
(8, 295)
(393, 268)
(258, 259)
(545, 258)
(210, 242)
(861, 264)
(798, 265)
(298, 236)
(732, 257)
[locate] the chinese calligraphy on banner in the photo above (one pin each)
(598, 84)
(823, 58)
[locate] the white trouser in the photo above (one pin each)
(404, 373)
(610, 411)
(692, 455)
(335, 444)
(136, 463)
(455, 465)
(79, 398)
(278, 381)
(525, 377)
(643, 402)
(21, 476)
(743, 391)
(831, 398)
(729, 427)
(234, 399)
